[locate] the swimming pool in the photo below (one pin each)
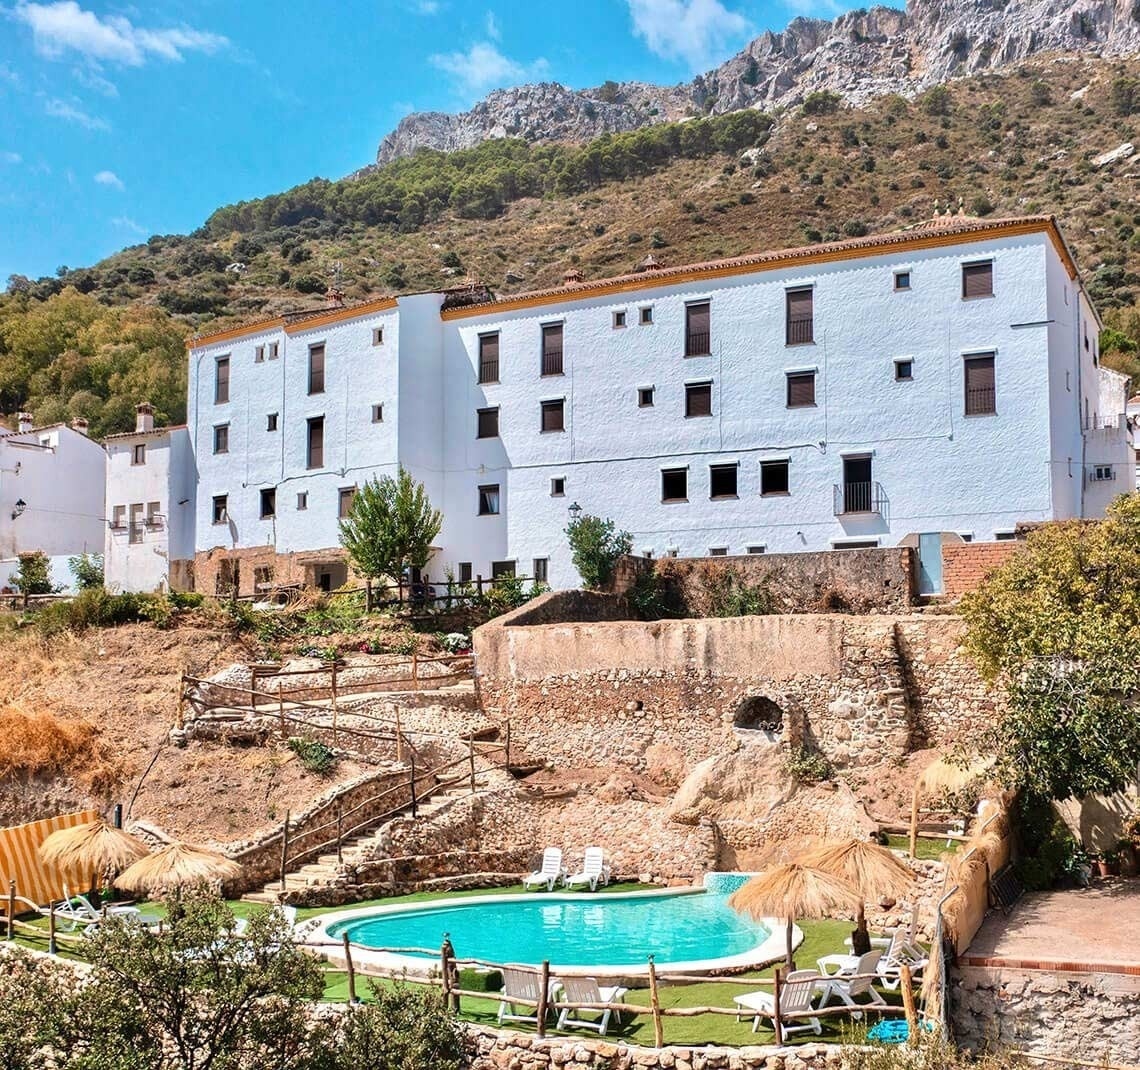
(690, 928)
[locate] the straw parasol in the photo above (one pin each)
(791, 891)
(872, 870)
(945, 774)
(177, 865)
(93, 847)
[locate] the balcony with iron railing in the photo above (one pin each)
(800, 330)
(489, 370)
(981, 401)
(551, 362)
(697, 344)
(855, 498)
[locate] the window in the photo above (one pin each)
(136, 535)
(722, 480)
(697, 337)
(619, 319)
(271, 421)
(489, 500)
(981, 392)
(221, 380)
(904, 370)
(558, 487)
(273, 350)
(258, 354)
(377, 414)
(302, 501)
(464, 571)
(317, 369)
(222, 438)
(757, 549)
(1005, 536)
(344, 499)
(645, 397)
(1101, 473)
(541, 565)
(773, 477)
(268, 503)
(902, 280)
(978, 280)
(489, 358)
(153, 509)
(262, 577)
(499, 569)
(674, 484)
(119, 517)
(552, 349)
(698, 399)
(221, 514)
(315, 447)
(856, 544)
(488, 423)
(138, 453)
(799, 328)
(553, 415)
(377, 336)
(801, 390)
(718, 551)
(645, 315)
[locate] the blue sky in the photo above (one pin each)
(120, 121)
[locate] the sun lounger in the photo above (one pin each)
(550, 873)
(796, 995)
(521, 984)
(848, 987)
(594, 871)
(900, 952)
(586, 990)
(78, 912)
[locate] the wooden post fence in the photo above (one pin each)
(281, 708)
(339, 815)
(334, 701)
(415, 671)
(51, 928)
(655, 1006)
(413, 783)
(11, 921)
(907, 986)
(348, 966)
(543, 996)
(777, 1023)
(399, 736)
(284, 849)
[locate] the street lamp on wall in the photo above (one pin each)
(575, 511)
(18, 508)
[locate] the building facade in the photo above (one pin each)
(942, 382)
(151, 487)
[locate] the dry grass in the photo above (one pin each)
(33, 743)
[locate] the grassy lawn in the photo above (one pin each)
(931, 850)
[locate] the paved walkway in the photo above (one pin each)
(1093, 929)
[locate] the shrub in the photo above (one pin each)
(595, 547)
(474, 980)
(808, 765)
(936, 101)
(87, 570)
(401, 1026)
(34, 575)
(821, 102)
(315, 756)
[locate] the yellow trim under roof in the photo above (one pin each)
(318, 318)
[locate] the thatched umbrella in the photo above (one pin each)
(791, 891)
(943, 774)
(176, 865)
(873, 871)
(93, 847)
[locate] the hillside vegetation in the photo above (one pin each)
(92, 342)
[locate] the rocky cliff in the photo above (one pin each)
(859, 55)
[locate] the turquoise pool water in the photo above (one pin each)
(572, 931)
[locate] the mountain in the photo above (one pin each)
(860, 55)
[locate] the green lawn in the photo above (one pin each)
(930, 850)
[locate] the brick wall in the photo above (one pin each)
(966, 564)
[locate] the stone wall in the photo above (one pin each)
(286, 568)
(966, 564)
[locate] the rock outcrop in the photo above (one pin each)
(859, 55)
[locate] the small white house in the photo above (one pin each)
(151, 484)
(51, 496)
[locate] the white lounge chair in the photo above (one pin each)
(600, 1000)
(849, 987)
(594, 871)
(521, 984)
(78, 912)
(551, 872)
(900, 952)
(795, 998)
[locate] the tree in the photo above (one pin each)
(595, 546)
(34, 575)
(389, 528)
(87, 570)
(1059, 624)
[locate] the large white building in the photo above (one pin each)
(151, 486)
(941, 382)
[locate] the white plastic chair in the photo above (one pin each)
(849, 986)
(586, 990)
(522, 985)
(594, 871)
(795, 998)
(551, 872)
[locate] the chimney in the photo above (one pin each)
(572, 276)
(79, 424)
(25, 421)
(144, 417)
(334, 298)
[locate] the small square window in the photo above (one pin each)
(268, 503)
(698, 399)
(377, 336)
(271, 421)
(722, 480)
(645, 397)
(904, 370)
(465, 575)
(489, 500)
(718, 551)
(1005, 536)
(553, 417)
(541, 568)
(273, 350)
(674, 484)
(344, 499)
(773, 477)
(801, 390)
(222, 438)
(978, 280)
(303, 501)
(258, 354)
(619, 319)
(757, 549)
(138, 454)
(558, 487)
(902, 280)
(377, 414)
(487, 423)
(645, 315)
(220, 513)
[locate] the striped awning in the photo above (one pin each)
(20, 860)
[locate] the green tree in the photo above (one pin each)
(399, 1028)
(34, 575)
(389, 528)
(87, 570)
(595, 547)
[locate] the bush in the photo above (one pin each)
(315, 756)
(808, 765)
(34, 575)
(596, 546)
(822, 102)
(87, 570)
(474, 980)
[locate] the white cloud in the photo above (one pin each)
(63, 26)
(11, 157)
(696, 31)
(92, 79)
(425, 7)
(493, 31)
(126, 223)
(484, 67)
(109, 178)
(61, 109)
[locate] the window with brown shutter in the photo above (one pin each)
(221, 380)
(698, 399)
(800, 326)
(315, 454)
(801, 390)
(552, 349)
(697, 337)
(345, 496)
(488, 423)
(978, 280)
(553, 415)
(316, 369)
(222, 438)
(489, 358)
(674, 484)
(722, 480)
(981, 385)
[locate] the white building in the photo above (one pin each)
(151, 485)
(51, 496)
(938, 382)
